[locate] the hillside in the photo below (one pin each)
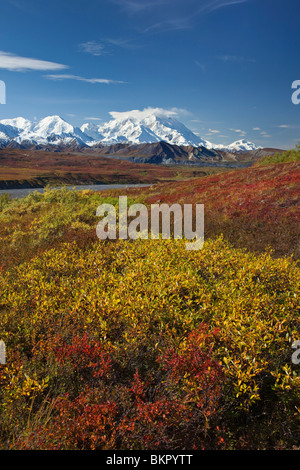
(165, 153)
(253, 207)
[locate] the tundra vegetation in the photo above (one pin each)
(122, 344)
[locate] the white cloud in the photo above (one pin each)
(256, 128)
(213, 131)
(284, 126)
(92, 47)
(239, 131)
(16, 63)
(59, 77)
(142, 114)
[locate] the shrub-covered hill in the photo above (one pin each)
(145, 345)
(281, 157)
(253, 208)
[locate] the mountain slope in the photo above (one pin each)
(160, 152)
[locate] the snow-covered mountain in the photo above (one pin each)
(145, 129)
(50, 130)
(134, 128)
(15, 126)
(238, 146)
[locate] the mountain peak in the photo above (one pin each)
(242, 145)
(54, 118)
(53, 125)
(147, 126)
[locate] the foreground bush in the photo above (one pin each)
(145, 345)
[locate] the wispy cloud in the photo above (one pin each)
(239, 131)
(213, 131)
(201, 65)
(288, 126)
(106, 46)
(92, 47)
(123, 43)
(171, 24)
(256, 129)
(177, 21)
(59, 77)
(17, 63)
(207, 6)
(234, 58)
(217, 4)
(19, 4)
(137, 6)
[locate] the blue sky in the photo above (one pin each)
(225, 66)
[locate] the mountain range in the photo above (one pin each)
(55, 132)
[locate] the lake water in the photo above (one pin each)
(94, 187)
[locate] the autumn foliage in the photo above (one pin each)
(143, 344)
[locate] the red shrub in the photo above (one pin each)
(85, 354)
(191, 371)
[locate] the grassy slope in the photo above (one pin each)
(254, 208)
